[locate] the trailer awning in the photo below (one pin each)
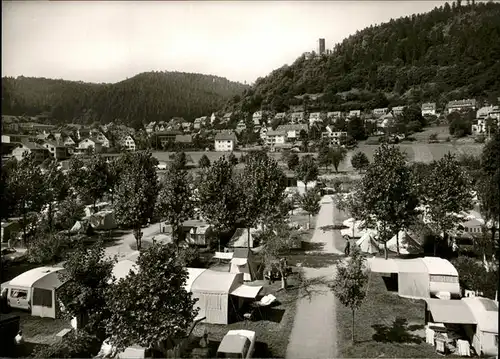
(247, 291)
(450, 311)
(223, 255)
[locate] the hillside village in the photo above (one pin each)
(300, 218)
(225, 132)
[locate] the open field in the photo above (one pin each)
(385, 326)
(442, 133)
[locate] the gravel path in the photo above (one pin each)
(314, 333)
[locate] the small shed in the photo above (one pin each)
(427, 277)
(485, 336)
(242, 262)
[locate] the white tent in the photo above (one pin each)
(242, 262)
(349, 222)
(354, 230)
(408, 243)
(367, 243)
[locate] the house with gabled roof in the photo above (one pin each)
(56, 150)
(90, 142)
(334, 115)
(275, 138)
(100, 137)
(225, 142)
(241, 126)
(67, 141)
(40, 153)
(227, 117)
(380, 111)
(335, 138)
(128, 143)
(461, 105)
(293, 131)
(150, 127)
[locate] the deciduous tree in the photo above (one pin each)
(359, 161)
(152, 305)
(446, 192)
(349, 284)
(387, 194)
(292, 161)
(336, 156)
(55, 189)
(87, 275)
(204, 162)
(175, 199)
(136, 193)
(307, 170)
(218, 195)
(310, 202)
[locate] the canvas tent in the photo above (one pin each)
(242, 262)
(240, 238)
(485, 337)
(81, 227)
(41, 286)
(408, 243)
(103, 220)
(354, 229)
(367, 243)
(122, 268)
(427, 277)
(215, 292)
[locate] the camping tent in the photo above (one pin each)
(103, 220)
(41, 285)
(242, 262)
(354, 230)
(81, 227)
(408, 243)
(240, 238)
(122, 268)
(214, 291)
(426, 277)
(367, 243)
(485, 312)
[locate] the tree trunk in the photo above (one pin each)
(138, 237)
(248, 238)
(309, 219)
(397, 242)
(352, 333)
(386, 254)
(23, 242)
(49, 216)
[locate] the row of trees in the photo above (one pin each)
(393, 192)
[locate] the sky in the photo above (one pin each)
(100, 41)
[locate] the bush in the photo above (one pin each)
(433, 137)
(82, 345)
(474, 276)
(480, 139)
(47, 248)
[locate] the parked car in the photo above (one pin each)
(10, 255)
(237, 344)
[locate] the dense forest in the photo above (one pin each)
(451, 52)
(150, 96)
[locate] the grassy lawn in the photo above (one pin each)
(272, 332)
(385, 326)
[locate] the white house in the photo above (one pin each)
(263, 132)
(293, 131)
(275, 138)
(398, 110)
(354, 113)
(429, 109)
(461, 105)
(150, 127)
(128, 143)
(225, 142)
(280, 116)
(334, 115)
(380, 111)
(213, 117)
(90, 142)
(257, 117)
(298, 117)
(335, 138)
(314, 117)
(100, 137)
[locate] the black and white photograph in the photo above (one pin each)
(250, 179)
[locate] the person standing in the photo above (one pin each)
(347, 248)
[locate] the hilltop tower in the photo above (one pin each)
(321, 46)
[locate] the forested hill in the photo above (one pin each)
(451, 52)
(150, 96)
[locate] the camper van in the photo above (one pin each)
(35, 291)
